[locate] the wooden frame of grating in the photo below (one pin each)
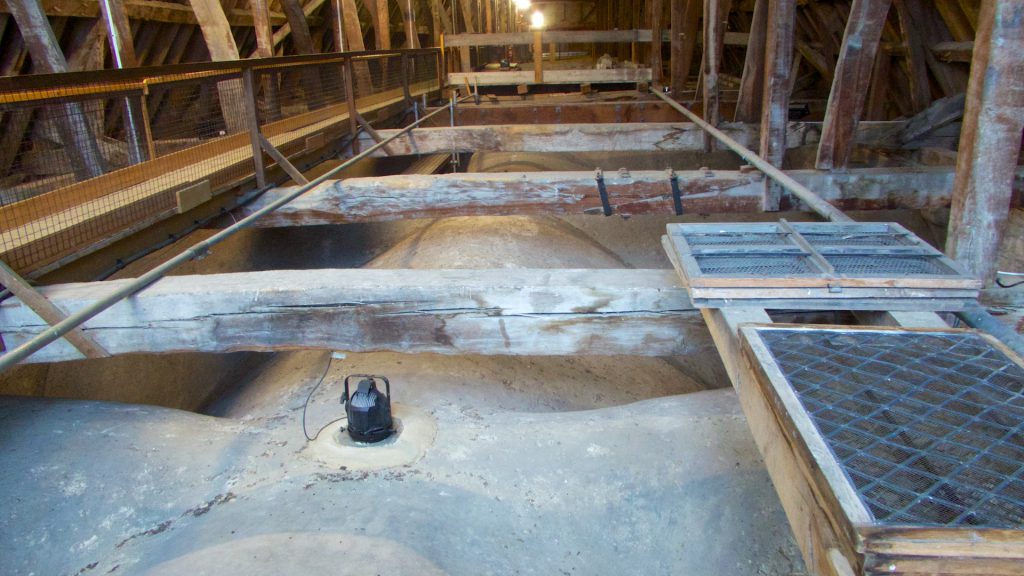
(818, 265)
(828, 516)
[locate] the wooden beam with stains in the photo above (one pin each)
(685, 28)
(850, 84)
(751, 94)
(494, 312)
(778, 61)
(990, 140)
(402, 197)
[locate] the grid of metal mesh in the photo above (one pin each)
(928, 426)
(84, 158)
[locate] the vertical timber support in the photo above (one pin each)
(221, 44)
(350, 99)
(712, 64)
(756, 62)
(778, 60)
(656, 26)
(538, 57)
(989, 140)
(850, 83)
(685, 27)
(249, 96)
(265, 49)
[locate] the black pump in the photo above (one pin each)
(369, 409)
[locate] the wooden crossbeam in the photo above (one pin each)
(604, 137)
(496, 312)
(582, 76)
(401, 197)
(48, 312)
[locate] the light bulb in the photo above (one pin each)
(537, 19)
(523, 5)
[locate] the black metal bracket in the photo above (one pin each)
(677, 195)
(599, 176)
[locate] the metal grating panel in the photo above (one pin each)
(927, 426)
(755, 265)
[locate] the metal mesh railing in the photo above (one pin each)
(928, 426)
(87, 157)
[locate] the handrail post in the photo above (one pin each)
(350, 98)
(249, 95)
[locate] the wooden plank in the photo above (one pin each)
(685, 31)
(953, 51)
(282, 161)
(502, 312)
(849, 86)
(915, 61)
(778, 61)
(814, 531)
(384, 198)
(567, 76)
(751, 94)
(48, 312)
(990, 140)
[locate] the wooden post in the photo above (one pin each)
(353, 112)
(850, 84)
(265, 49)
(412, 39)
(75, 132)
(778, 59)
(249, 96)
(748, 104)
(656, 29)
(712, 63)
(302, 40)
(989, 140)
(916, 58)
(685, 22)
(538, 57)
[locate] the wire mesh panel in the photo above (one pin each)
(908, 445)
(815, 266)
(89, 157)
(928, 426)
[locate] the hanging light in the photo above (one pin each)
(523, 5)
(537, 19)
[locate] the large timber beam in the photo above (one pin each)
(990, 140)
(499, 312)
(851, 80)
(562, 111)
(602, 137)
(641, 192)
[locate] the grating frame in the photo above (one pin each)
(926, 426)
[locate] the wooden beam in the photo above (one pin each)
(216, 29)
(916, 62)
(990, 140)
(143, 10)
(412, 39)
(685, 30)
(559, 112)
(48, 312)
(302, 40)
(656, 31)
(603, 137)
(264, 31)
(751, 95)
(119, 33)
(405, 197)
(778, 60)
(850, 85)
(557, 36)
(380, 18)
(568, 76)
(953, 51)
(497, 312)
(712, 64)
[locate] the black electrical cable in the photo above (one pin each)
(999, 281)
(306, 405)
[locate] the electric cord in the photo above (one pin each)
(999, 280)
(310, 396)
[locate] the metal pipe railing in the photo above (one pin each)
(805, 194)
(197, 250)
